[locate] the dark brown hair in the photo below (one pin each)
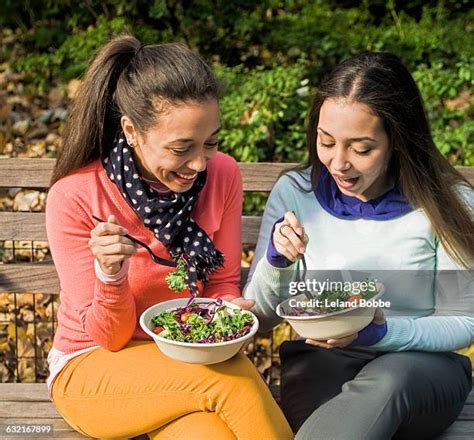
(428, 181)
(128, 78)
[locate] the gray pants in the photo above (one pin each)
(354, 395)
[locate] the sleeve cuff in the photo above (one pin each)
(112, 279)
(370, 335)
(399, 334)
(273, 256)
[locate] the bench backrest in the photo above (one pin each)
(36, 173)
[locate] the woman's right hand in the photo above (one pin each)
(109, 246)
(289, 237)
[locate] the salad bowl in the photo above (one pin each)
(319, 325)
(202, 352)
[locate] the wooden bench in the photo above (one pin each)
(28, 403)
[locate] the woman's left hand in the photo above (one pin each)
(379, 319)
(245, 304)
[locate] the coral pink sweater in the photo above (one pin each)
(92, 312)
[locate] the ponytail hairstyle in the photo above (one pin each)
(129, 78)
(382, 82)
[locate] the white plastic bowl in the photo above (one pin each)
(331, 325)
(194, 353)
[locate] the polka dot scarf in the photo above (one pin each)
(167, 216)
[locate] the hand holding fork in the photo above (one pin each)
(112, 245)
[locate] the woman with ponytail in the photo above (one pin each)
(140, 151)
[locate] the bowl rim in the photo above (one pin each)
(159, 338)
(327, 315)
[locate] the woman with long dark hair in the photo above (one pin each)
(375, 196)
(140, 152)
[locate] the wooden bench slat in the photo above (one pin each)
(38, 410)
(31, 226)
(42, 278)
(24, 392)
(468, 173)
(262, 176)
(22, 226)
(459, 430)
(67, 435)
(250, 229)
(26, 173)
(29, 277)
(467, 413)
(470, 398)
(36, 173)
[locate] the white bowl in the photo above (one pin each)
(194, 353)
(331, 325)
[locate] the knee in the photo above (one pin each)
(392, 384)
(237, 366)
(307, 432)
(239, 373)
(386, 381)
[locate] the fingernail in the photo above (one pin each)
(124, 231)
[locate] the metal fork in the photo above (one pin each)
(302, 262)
(154, 257)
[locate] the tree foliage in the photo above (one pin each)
(271, 55)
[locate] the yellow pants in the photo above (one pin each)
(469, 352)
(139, 390)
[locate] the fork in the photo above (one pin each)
(302, 262)
(303, 277)
(153, 256)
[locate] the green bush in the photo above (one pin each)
(71, 58)
(271, 55)
(453, 127)
(264, 111)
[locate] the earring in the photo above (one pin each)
(130, 143)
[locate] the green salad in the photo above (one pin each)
(203, 323)
(199, 322)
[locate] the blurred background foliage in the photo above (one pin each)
(271, 55)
